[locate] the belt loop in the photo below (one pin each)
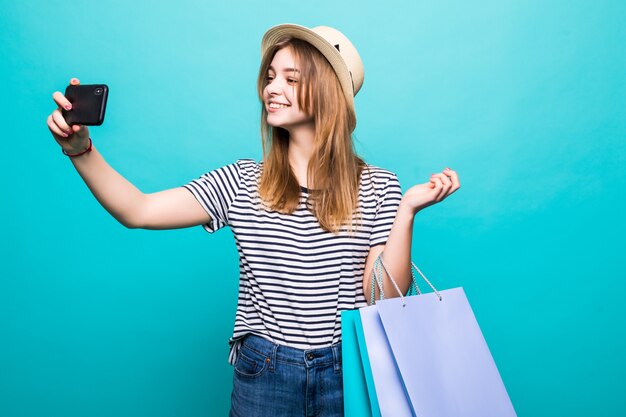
(273, 358)
(337, 357)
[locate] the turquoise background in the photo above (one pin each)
(526, 100)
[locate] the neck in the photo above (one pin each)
(301, 148)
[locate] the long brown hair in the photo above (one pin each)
(334, 169)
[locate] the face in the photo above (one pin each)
(279, 95)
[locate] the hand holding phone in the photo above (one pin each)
(73, 138)
(89, 103)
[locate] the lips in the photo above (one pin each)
(273, 105)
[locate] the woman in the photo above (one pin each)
(309, 220)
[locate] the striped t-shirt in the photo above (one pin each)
(295, 278)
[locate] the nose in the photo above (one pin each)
(273, 87)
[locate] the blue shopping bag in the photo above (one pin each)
(428, 356)
(359, 396)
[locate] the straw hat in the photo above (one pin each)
(334, 45)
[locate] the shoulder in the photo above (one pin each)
(244, 167)
(247, 163)
(378, 171)
(248, 169)
(380, 183)
(380, 177)
(232, 173)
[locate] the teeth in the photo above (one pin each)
(278, 106)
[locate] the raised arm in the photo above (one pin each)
(397, 250)
(169, 209)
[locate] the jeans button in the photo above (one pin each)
(310, 356)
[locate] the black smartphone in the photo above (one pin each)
(89, 102)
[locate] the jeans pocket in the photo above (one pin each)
(250, 364)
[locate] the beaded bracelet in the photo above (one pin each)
(81, 153)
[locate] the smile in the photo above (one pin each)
(277, 106)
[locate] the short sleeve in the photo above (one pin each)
(215, 191)
(386, 209)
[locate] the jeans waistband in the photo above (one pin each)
(306, 357)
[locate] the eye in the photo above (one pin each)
(292, 80)
(269, 78)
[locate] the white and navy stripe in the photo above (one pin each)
(295, 278)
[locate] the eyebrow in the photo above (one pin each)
(286, 69)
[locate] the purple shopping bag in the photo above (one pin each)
(440, 355)
(388, 384)
(445, 363)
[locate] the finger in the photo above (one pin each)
(442, 193)
(441, 190)
(436, 181)
(81, 129)
(447, 185)
(75, 81)
(56, 130)
(454, 177)
(444, 178)
(438, 187)
(61, 101)
(60, 121)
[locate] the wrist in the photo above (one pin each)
(405, 210)
(72, 152)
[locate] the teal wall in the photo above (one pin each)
(526, 100)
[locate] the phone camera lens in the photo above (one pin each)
(98, 91)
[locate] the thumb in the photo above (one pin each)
(80, 131)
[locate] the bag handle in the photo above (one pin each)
(377, 280)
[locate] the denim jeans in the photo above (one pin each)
(271, 380)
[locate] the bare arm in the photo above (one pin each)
(169, 209)
(115, 193)
(397, 256)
